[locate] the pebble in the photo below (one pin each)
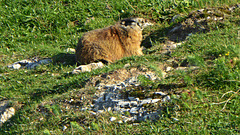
(155, 100)
(64, 128)
(160, 93)
(93, 113)
(146, 101)
(134, 110)
(120, 122)
(113, 119)
(132, 99)
(167, 98)
(175, 119)
(72, 50)
(7, 114)
(169, 69)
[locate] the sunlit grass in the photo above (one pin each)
(209, 102)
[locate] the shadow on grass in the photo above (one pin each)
(77, 82)
(64, 59)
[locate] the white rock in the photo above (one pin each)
(100, 111)
(109, 109)
(14, 66)
(135, 124)
(175, 119)
(167, 98)
(7, 114)
(146, 101)
(93, 113)
(72, 50)
(169, 69)
(83, 68)
(129, 119)
(64, 128)
(155, 100)
(134, 110)
(160, 93)
(120, 122)
(124, 104)
(113, 119)
(96, 65)
(26, 61)
(182, 68)
(87, 68)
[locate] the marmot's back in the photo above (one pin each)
(112, 43)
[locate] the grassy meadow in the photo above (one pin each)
(209, 102)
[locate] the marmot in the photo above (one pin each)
(112, 43)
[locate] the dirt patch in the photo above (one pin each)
(117, 76)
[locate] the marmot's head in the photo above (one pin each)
(140, 23)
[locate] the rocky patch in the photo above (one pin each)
(29, 63)
(200, 21)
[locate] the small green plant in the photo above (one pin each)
(76, 127)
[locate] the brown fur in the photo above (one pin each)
(112, 43)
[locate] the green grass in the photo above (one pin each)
(209, 102)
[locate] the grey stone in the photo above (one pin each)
(126, 119)
(100, 99)
(124, 104)
(29, 63)
(45, 61)
(155, 100)
(134, 103)
(152, 116)
(134, 110)
(146, 101)
(167, 98)
(132, 99)
(160, 93)
(32, 65)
